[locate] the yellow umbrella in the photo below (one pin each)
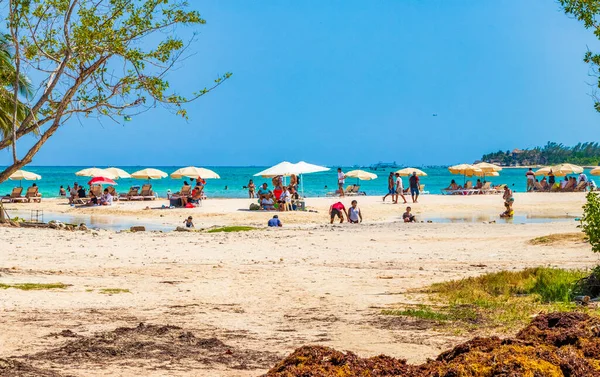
(408, 171)
(194, 172)
(119, 173)
(560, 170)
(595, 171)
(490, 174)
(361, 174)
(95, 172)
(486, 167)
(464, 169)
(149, 173)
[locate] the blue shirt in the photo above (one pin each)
(274, 222)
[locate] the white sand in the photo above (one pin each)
(272, 289)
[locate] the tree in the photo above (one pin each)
(588, 12)
(100, 58)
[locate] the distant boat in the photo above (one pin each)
(384, 165)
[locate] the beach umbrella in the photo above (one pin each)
(408, 172)
(484, 174)
(595, 171)
(101, 181)
(306, 168)
(118, 173)
(302, 168)
(21, 175)
(194, 172)
(361, 174)
(567, 169)
(466, 170)
(284, 169)
(95, 172)
(149, 173)
(486, 167)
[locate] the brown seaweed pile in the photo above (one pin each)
(553, 345)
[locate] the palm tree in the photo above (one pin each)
(7, 83)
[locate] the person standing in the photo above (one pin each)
(508, 198)
(251, 189)
(551, 179)
(399, 189)
(391, 190)
(341, 179)
(530, 179)
(414, 184)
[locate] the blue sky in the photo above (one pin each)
(356, 82)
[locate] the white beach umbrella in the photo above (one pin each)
(361, 174)
(486, 167)
(194, 172)
(306, 168)
(595, 171)
(95, 172)
(284, 169)
(149, 173)
(119, 173)
(20, 175)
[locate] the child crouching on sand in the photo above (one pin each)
(188, 222)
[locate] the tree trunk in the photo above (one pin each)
(14, 29)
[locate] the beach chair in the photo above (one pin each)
(186, 190)
(581, 186)
(113, 192)
(568, 187)
(147, 193)
(132, 194)
(537, 187)
(15, 196)
(96, 190)
(32, 194)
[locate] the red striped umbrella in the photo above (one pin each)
(101, 181)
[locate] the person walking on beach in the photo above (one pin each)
(508, 198)
(414, 184)
(339, 210)
(354, 213)
(530, 179)
(391, 190)
(341, 180)
(399, 189)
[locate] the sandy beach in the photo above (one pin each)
(261, 293)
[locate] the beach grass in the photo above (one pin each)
(34, 286)
(113, 291)
(501, 300)
(553, 239)
(231, 229)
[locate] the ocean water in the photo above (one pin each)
(234, 178)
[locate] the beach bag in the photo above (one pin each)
(189, 205)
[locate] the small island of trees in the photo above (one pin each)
(587, 154)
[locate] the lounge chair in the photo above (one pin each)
(581, 186)
(537, 187)
(132, 194)
(113, 192)
(147, 193)
(32, 194)
(15, 196)
(568, 187)
(422, 190)
(96, 190)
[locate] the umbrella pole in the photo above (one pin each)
(302, 184)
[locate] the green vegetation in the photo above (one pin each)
(590, 222)
(113, 291)
(34, 286)
(230, 229)
(550, 154)
(70, 48)
(553, 239)
(505, 299)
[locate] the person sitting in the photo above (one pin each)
(73, 193)
(354, 213)
(274, 222)
(592, 185)
(62, 191)
(106, 199)
(453, 186)
(564, 183)
(267, 204)
(93, 200)
(81, 192)
(197, 194)
(479, 185)
(264, 192)
(544, 183)
(508, 211)
(408, 217)
(284, 199)
(188, 222)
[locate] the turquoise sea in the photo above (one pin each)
(234, 178)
